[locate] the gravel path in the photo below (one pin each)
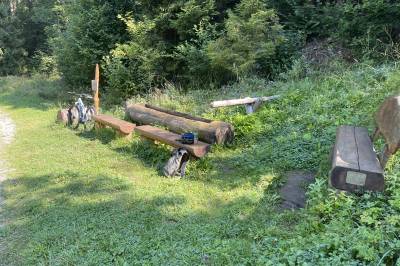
(7, 133)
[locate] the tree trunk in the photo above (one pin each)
(212, 132)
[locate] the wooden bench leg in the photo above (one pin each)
(98, 126)
(249, 108)
(122, 135)
(252, 107)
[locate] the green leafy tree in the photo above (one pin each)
(252, 35)
(89, 30)
(13, 54)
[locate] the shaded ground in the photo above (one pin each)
(293, 193)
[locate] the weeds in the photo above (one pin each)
(87, 199)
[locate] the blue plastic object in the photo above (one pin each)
(188, 138)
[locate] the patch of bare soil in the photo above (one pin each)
(7, 133)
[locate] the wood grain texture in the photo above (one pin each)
(353, 155)
(388, 122)
(213, 132)
(96, 90)
(62, 116)
(345, 151)
(175, 113)
(367, 159)
(122, 126)
(198, 149)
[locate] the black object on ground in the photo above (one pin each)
(293, 193)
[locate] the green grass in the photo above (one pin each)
(78, 198)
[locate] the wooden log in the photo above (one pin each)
(198, 149)
(195, 118)
(62, 117)
(212, 132)
(244, 101)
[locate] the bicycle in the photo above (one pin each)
(80, 114)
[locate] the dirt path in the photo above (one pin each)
(7, 133)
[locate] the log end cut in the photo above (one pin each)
(62, 117)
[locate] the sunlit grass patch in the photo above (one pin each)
(84, 198)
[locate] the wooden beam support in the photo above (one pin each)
(244, 101)
(95, 89)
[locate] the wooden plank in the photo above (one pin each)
(247, 100)
(124, 127)
(367, 159)
(345, 151)
(199, 149)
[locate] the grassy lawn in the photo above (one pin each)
(78, 198)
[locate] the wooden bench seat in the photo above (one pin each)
(198, 150)
(122, 127)
(355, 164)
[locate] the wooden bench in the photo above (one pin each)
(122, 127)
(198, 150)
(251, 104)
(355, 164)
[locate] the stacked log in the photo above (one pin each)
(62, 117)
(207, 130)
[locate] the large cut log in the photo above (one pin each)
(62, 117)
(198, 149)
(355, 165)
(210, 132)
(201, 119)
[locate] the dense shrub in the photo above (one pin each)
(13, 56)
(141, 44)
(370, 28)
(187, 44)
(90, 29)
(25, 27)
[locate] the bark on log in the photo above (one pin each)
(212, 132)
(248, 100)
(62, 117)
(201, 119)
(388, 122)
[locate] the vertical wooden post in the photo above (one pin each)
(95, 88)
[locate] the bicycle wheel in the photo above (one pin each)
(74, 117)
